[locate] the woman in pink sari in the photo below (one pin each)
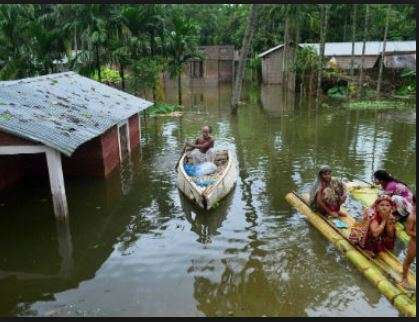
(400, 194)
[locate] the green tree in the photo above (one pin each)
(181, 45)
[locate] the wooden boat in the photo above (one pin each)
(384, 270)
(224, 180)
(367, 194)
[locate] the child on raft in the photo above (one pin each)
(327, 194)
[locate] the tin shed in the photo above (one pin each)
(92, 125)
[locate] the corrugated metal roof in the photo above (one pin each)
(345, 48)
(63, 110)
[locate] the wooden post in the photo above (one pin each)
(55, 171)
(56, 178)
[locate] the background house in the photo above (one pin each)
(92, 125)
(398, 55)
(217, 64)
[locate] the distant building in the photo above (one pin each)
(398, 55)
(92, 125)
(217, 64)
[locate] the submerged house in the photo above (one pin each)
(398, 55)
(65, 123)
(217, 64)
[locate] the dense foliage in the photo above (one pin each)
(140, 41)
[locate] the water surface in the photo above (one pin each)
(135, 246)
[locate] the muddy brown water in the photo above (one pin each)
(135, 246)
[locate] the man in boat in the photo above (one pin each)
(411, 247)
(327, 193)
(203, 148)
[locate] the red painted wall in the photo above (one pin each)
(97, 157)
(11, 170)
(134, 131)
(86, 160)
(110, 150)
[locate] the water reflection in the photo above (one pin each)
(205, 224)
(277, 100)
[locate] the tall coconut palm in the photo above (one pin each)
(14, 38)
(181, 45)
(247, 39)
(324, 13)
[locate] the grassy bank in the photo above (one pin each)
(378, 104)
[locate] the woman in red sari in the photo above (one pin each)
(380, 221)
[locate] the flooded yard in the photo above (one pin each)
(135, 246)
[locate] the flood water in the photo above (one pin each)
(135, 246)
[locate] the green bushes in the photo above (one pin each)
(162, 109)
(108, 75)
(376, 105)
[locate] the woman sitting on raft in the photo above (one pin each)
(400, 194)
(376, 233)
(327, 193)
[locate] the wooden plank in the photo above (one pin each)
(22, 149)
(56, 178)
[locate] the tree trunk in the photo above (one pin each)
(152, 50)
(250, 30)
(323, 29)
(361, 70)
(284, 52)
(75, 39)
(179, 88)
(122, 75)
(98, 64)
(353, 39)
(380, 72)
(310, 83)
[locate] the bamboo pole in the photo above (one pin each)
(396, 296)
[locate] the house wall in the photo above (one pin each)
(10, 170)
(272, 68)
(211, 70)
(14, 167)
(225, 69)
(134, 131)
(110, 150)
(97, 157)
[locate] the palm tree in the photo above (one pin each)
(324, 12)
(181, 45)
(247, 39)
(15, 50)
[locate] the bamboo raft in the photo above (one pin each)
(367, 194)
(383, 271)
(225, 178)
